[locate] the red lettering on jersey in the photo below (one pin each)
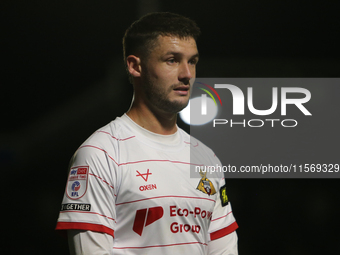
(174, 211)
(147, 187)
(82, 170)
(180, 228)
(197, 211)
(180, 212)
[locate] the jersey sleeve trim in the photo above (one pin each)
(224, 231)
(84, 226)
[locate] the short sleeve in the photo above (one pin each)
(89, 199)
(223, 221)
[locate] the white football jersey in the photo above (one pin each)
(138, 187)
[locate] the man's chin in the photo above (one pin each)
(182, 106)
(175, 106)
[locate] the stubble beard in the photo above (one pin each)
(158, 97)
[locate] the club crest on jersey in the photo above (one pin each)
(205, 185)
(77, 182)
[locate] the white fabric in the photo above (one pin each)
(137, 185)
(89, 243)
(226, 245)
(94, 243)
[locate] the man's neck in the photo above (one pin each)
(154, 121)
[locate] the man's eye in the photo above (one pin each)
(171, 61)
(193, 62)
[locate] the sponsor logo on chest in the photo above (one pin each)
(184, 220)
(145, 176)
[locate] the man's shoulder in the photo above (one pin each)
(112, 132)
(195, 143)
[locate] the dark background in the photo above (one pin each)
(63, 77)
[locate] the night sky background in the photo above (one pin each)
(63, 78)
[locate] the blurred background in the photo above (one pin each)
(63, 78)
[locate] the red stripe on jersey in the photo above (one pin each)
(159, 160)
(84, 226)
(222, 216)
(155, 246)
(91, 146)
(192, 144)
(89, 213)
(118, 139)
(224, 231)
(102, 180)
(141, 161)
(165, 197)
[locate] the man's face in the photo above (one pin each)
(168, 73)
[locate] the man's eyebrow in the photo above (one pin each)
(179, 53)
(196, 56)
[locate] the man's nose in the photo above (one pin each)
(186, 72)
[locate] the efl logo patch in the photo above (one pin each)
(77, 182)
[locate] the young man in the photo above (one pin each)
(129, 189)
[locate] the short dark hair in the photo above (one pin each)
(141, 35)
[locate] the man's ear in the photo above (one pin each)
(133, 65)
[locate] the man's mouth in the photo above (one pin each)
(182, 88)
